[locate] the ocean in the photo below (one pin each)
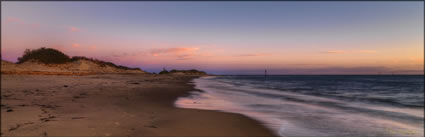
(318, 105)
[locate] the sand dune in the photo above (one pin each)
(79, 67)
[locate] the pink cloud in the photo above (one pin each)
(73, 29)
(76, 45)
(175, 51)
(120, 55)
(184, 57)
(181, 53)
(255, 55)
(334, 51)
(13, 20)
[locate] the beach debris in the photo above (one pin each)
(135, 83)
(44, 111)
(28, 123)
(44, 119)
(15, 127)
(65, 85)
(44, 134)
(9, 110)
(7, 96)
(47, 119)
(49, 106)
(77, 117)
(28, 92)
(151, 126)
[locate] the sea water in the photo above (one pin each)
(318, 105)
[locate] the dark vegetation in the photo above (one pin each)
(53, 56)
(192, 71)
(44, 55)
(164, 72)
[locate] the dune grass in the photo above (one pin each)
(54, 56)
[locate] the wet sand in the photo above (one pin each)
(111, 105)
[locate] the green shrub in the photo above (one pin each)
(44, 55)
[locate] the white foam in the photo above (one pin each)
(297, 118)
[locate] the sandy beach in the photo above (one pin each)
(212, 69)
(111, 105)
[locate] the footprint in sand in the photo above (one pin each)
(44, 134)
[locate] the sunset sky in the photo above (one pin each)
(225, 37)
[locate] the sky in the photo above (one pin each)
(225, 37)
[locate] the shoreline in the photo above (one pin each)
(301, 114)
(111, 105)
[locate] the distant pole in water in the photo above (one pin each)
(265, 73)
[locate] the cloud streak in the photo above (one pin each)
(334, 52)
(181, 53)
(348, 52)
(13, 20)
(254, 55)
(178, 50)
(76, 45)
(19, 21)
(73, 29)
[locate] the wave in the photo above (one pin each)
(404, 91)
(297, 114)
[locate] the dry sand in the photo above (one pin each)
(110, 105)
